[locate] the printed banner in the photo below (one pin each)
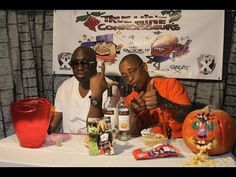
(173, 43)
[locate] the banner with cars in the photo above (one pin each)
(173, 43)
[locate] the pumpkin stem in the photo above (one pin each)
(209, 108)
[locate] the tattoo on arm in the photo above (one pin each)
(181, 110)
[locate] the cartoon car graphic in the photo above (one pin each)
(162, 48)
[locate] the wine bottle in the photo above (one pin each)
(110, 109)
(123, 117)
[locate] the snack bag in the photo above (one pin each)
(93, 136)
(158, 151)
(100, 140)
(105, 140)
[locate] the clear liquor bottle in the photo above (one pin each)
(110, 108)
(123, 117)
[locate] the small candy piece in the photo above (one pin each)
(58, 140)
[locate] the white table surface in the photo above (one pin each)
(73, 153)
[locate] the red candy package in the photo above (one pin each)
(159, 151)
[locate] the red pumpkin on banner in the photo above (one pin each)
(209, 128)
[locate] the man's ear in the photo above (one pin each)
(144, 66)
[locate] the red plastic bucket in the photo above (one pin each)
(31, 118)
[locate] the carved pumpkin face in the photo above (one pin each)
(214, 129)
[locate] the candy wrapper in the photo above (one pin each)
(158, 151)
(147, 131)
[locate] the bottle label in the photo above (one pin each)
(123, 122)
(123, 111)
(111, 112)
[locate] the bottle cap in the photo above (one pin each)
(122, 91)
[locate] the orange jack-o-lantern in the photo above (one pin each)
(209, 128)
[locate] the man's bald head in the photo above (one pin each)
(84, 51)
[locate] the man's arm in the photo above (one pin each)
(134, 128)
(154, 99)
(135, 107)
(181, 110)
(95, 111)
(56, 120)
(98, 85)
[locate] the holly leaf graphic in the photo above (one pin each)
(164, 12)
(175, 18)
(81, 18)
(97, 14)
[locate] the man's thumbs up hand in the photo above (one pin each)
(138, 104)
(151, 95)
(151, 85)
